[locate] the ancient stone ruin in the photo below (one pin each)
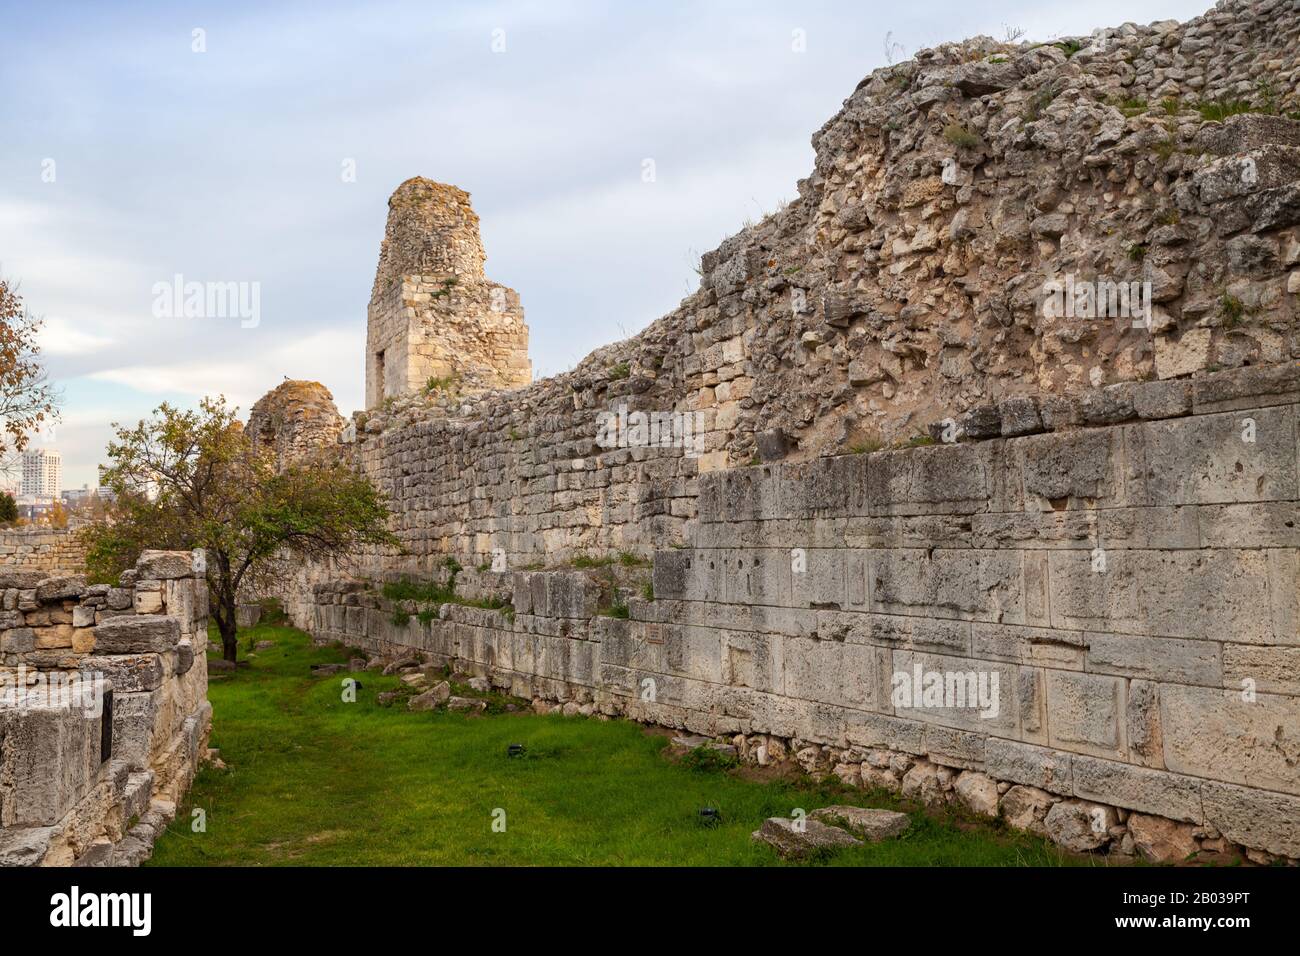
(104, 716)
(435, 320)
(976, 470)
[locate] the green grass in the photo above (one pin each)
(312, 780)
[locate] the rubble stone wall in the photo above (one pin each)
(47, 548)
(104, 716)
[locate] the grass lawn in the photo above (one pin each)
(312, 780)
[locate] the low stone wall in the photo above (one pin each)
(104, 716)
(1121, 585)
(46, 548)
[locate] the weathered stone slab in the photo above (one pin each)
(163, 565)
(1253, 817)
(137, 634)
(1227, 735)
(1212, 459)
(865, 823)
(1085, 712)
(1138, 788)
(802, 839)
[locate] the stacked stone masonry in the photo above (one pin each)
(48, 548)
(104, 716)
(1133, 586)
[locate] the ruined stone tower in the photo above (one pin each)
(434, 317)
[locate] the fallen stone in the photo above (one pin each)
(799, 841)
(870, 824)
(431, 699)
(467, 704)
(396, 666)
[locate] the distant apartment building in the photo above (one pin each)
(42, 473)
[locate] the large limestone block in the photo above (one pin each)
(834, 673)
(1071, 468)
(1160, 658)
(977, 696)
(1210, 459)
(1029, 764)
(164, 565)
(50, 754)
(818, 580)
(1255, 818)
(1138, 788)
(137, 720)
(1220, 594)
(24, 579)
(966, 583)
(1223, 735)
(137, 634)
(61, 587)
(1085, 712)
(129, 673)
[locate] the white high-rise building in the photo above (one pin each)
(42, 473)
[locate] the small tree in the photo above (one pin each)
(26, 398)
(57, 516)
(8, 508)
(194, 479)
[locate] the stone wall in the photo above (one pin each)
(45, 548)
(1127, 585)
(104, 716)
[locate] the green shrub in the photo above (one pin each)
(960, 136)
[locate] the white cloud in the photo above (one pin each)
(59, 336)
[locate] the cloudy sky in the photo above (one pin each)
(129, 158)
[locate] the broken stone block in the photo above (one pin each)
(1025, 808)
(431, 699)
(1080, 826)
(61, 588)
(1160, 840)
(869, 824)
(978, 792)
(473, 704)
(803, 839)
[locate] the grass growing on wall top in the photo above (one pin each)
(312, 780)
